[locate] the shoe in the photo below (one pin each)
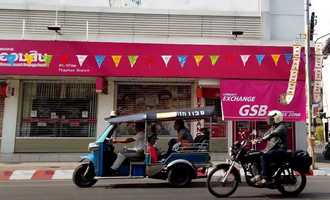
(262, 182)
(255, 178)
(113, 172)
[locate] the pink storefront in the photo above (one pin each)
(250, 81)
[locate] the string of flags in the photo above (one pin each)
(182, 59)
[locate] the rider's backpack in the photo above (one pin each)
(302, 161)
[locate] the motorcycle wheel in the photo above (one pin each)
(219, 188)
(291, 185)
(80, 179)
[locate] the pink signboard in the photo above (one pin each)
(101, 59)
(253, 99)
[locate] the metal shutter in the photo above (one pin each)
(58, 109)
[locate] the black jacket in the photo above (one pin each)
(277, 138)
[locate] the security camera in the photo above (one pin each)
(55, 28)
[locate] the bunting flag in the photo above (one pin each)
(318, 73)
(81, 59)
(198, 59)
(132, 60)
(214, 59)
(64, 59)
(245, 58)
(182, 60)
(99, 60)
(260, 58)
(276, 58)
(116, 59)
(11, 59)
(48, 58)
(166, 59)
(28, 58)
(287, 97)
(288, 58)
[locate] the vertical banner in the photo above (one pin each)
(287, 97)
(318, 73)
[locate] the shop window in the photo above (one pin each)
(141, 98)
(218, 125)
(58, 109)
(2, 104)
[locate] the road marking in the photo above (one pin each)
(22, 174)
(62, 174)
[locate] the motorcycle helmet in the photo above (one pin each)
(275, 117)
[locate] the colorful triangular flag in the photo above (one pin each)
(214, 59)
(182, 60)
(276, 58)
(245, 58)
(166, 59)
(11, 59)
(116, 59)
(198, 59)
(48, 58)
(99, 60)
(288, 58)
(28, 58)
(81, 59)
(64, 59)
(132, 60)
(260, 58)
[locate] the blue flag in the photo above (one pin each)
(260, 58)
(288, 57)
(11, 59)
(182, 60)
(99, 60)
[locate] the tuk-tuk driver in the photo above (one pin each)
(136, 152)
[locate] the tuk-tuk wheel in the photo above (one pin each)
(180, 175)
(83, 179)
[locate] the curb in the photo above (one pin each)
(48, 174)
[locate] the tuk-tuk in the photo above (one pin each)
(179, 167)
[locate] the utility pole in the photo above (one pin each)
(309, 121)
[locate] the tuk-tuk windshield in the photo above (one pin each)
(105, 134)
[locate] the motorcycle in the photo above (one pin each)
(288, 175)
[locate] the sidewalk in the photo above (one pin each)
(38, 170)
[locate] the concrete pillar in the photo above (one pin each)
(10, 118)
(301, 136)
(105, 104)
(230, 134)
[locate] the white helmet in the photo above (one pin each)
(275, 117)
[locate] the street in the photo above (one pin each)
(317, 188)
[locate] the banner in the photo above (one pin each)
(253, 99)
(318, 73)
(287, 97)
(81, 59)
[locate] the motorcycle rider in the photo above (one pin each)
(276, 148)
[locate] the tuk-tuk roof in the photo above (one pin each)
(163, 115)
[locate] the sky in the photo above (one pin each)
(322, 11)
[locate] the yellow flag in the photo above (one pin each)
(198, 59)
(116, 59)
(28, 58)
(276, 57)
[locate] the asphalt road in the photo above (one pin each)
(317, 188)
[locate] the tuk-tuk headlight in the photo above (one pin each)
(93, 146)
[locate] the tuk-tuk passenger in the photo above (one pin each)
(137, 152)
(151, 147)
(183, 134)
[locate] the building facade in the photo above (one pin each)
(132, 56)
